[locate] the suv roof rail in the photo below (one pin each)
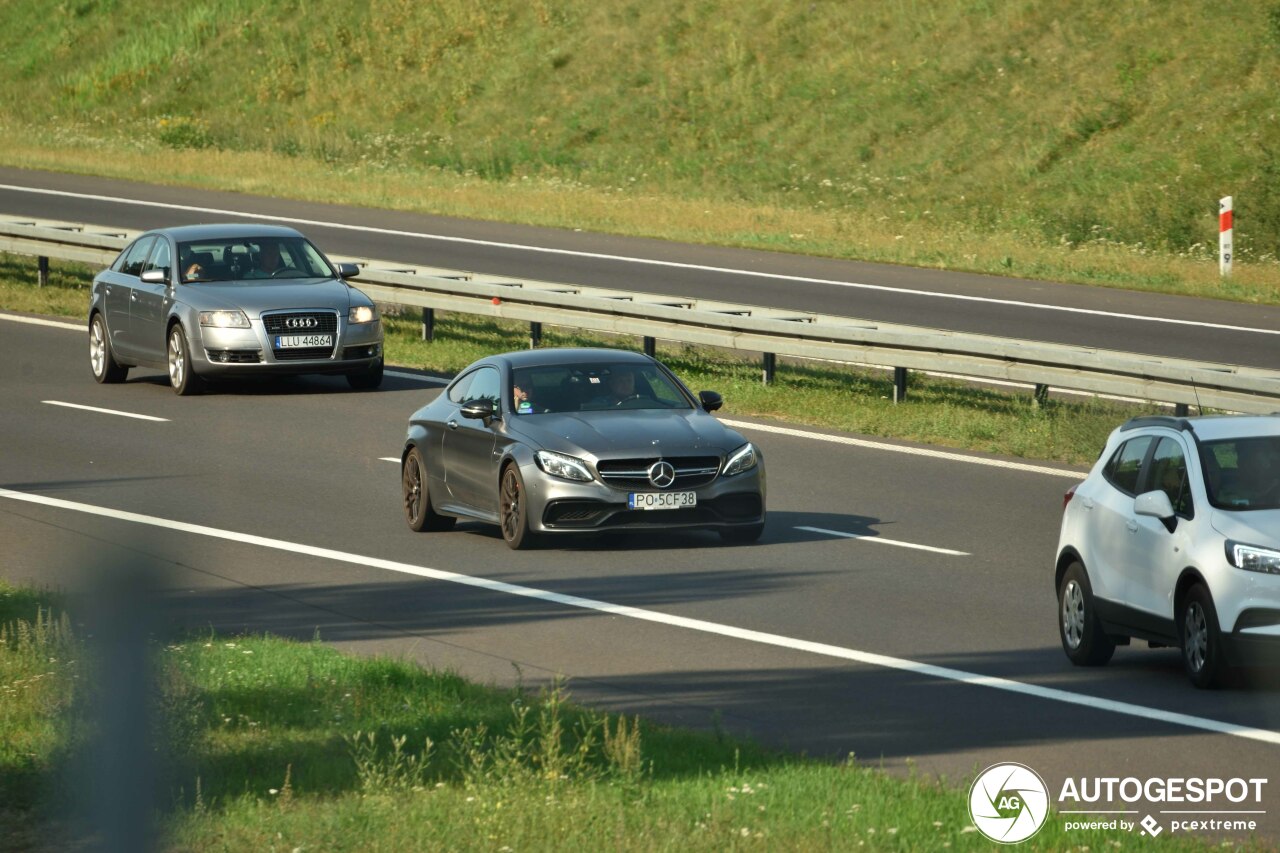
(1158, 420)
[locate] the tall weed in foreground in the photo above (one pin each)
(541, 748)
(39, 668)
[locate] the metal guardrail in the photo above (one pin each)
(769, 331)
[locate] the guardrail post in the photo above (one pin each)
(428, 324)
(1180, 410)
(42, 275)
(1041, 395)
(535, 335)
(899, 384)
(651, 347)
(770, 367)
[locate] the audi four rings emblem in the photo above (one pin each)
(662, 474)
(302, 322)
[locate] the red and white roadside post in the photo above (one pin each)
(1224, 237)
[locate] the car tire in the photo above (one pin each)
(741, 535)
(102, 361)
(366, 380)
(182, 378)
(1201, 639)
(418, 511)
(1080, 629)
(513, 509)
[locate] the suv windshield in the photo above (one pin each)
(594, 387)
(243, 259)
(1242, 473)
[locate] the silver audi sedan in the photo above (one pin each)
(562, 441)
(208, 301)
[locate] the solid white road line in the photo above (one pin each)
(37, 321)
(76, 327)
(1052, 694)
(105, 411)
(430, 380)
(388, 459)
(912, 451)
(881, 540)
(631, 260)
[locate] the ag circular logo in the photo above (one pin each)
(1008, 802)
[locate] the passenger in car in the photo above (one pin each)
(196, 265)
(522, 404)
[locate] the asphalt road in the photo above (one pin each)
(1205, 330)
(778, 640)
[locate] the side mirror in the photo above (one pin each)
(710, 400)
(348, 270)
(479, 410)
(155, 276)
(1154, 504)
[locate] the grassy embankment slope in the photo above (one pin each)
(1066, 140)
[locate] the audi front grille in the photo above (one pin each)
(301, 323)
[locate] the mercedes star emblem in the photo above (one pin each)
(662, 474)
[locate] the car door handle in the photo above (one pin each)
(1131, 526)
(452, 424)
(1087, 503)
(133, 296)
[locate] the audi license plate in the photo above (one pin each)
(662, 500)
(287, 341)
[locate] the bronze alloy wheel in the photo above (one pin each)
(418, 512)
(512, 511)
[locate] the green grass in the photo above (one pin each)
(269, 744)
(1078, 141)
(937, 411)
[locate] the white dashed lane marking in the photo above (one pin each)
(880, 540)
(104, 411)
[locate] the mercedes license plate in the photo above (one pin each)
(662, 500)
(287, 341)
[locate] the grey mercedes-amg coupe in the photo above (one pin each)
(560, 441)
(231, 300)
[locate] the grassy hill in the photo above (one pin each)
(1082, 140)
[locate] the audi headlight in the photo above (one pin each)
(224, 319)
(363, 314)
(742, 459)
(1251, 558)
(565, 467)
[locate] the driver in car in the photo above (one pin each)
(621, 386)
(269, 262)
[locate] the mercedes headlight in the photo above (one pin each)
(565, 467)
(224, 319)
(1251, 558)
(362, 314)
(742, 459)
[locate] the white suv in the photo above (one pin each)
(1174, 538)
